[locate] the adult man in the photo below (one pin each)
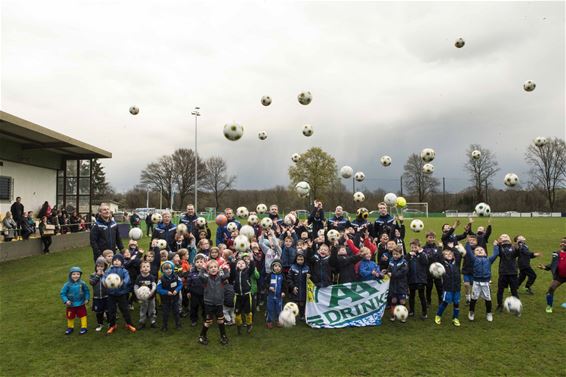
(222, 233)
(316, 218)
(165, 230)
(149, 223)
(17, 210)
(338, 221)
(104, 233)
(189, 218)
(385, 223)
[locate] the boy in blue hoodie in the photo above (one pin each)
(168, 287)
(118, 297)
(481, 278)
(75, 295)
(368, 269)
(276, 293)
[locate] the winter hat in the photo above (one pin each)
(200, 256)
(167, 263)
(118, 256)
(276, 261)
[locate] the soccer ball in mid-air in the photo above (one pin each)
(437, 270)
(428, 168)
(360, 176)
(401, 202)
(233, 131)
(252, 220)
(156, 218)
(459, 43)
(540, 141)
(362, 212)
(266, 100)
(333, 235)
(241, 243)
(417, 225)
(135, 234)
(302, 188)
(308, 130)
(513, 305)
(385, 160)
(261, 208)
(346, 172)
(232, 227)
(113, 281)
(266, 223)
(295, 157)
(242, 212)
(305, 98)
(162, 244)
(529, 86)
(390, 199)
(511, 179)
(134, 110)
(483, 209)
(428, 154)
(262, 135)
(359, 197)
(182, 229)
(143, 293)
(201, 222)
(290, 219)
(401, 313)
(221, 219)
(476, 155)
(247, 231)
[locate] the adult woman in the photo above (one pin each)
(8, 227)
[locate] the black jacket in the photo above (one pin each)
(398, 285)
(104, 235)
(344, 264)
(241, 279)
(451, 279)
(297, 277)
(195, 286)
(507, 259)
(321, 274)
(418, 267)
(450, 237)
(525, 256)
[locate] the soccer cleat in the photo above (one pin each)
(83, 331)
(69, 331)
(489, 317)
(224, 340)
(112, 329)
(471, 316)
(131, 328)
(203, 340)
(456, 322)
(548, 309)
(99, 328)
(437, 319)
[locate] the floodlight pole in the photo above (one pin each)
(196, 113)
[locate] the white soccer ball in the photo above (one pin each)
(304, 98)
(135, 234)
(295, 157)
(308, 130)
(266, 100)
(302, 188)
(143, 293)
(231, 227)
(437, 270)
(540, 141)
(262, 135)
(459, 43)
(247, 231)
(359, 197)
(385, 160)
(134, 110)
(162, 244)
(252, 220)
(242, 212)
(113, 281)
(266, 223)
(416, 225)
(428, 154)
(241, 243)
(529, 86)
(346, 172)
(233, 131)
(290, 219)
(428, 168)
(511, 179)
(287, 318)
(261, 208)
(390, 199)
(476, 155)
(182, 228)
(360, 176)
(333, 235)
(513, 305)
(483, 209)
(201, 222)
(294, 308)
(156, 218)
(401, 313)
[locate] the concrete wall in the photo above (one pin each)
(21, 249)
(34, 184)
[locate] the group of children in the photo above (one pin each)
(186, 277)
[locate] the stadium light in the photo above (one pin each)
(196, 113)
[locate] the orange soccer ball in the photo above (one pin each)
(221, 220)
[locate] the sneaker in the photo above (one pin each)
(83, 331)
(411, 314)
(184, 314)
(249, 329)
(548, 309)
(131, 306)
(499, 309)
(224, 340)
(131, 328)
(99, 328)
(69, 331)
(424, 316)
(111, 329)
(489, 317)
(203, 340)
(530, 291)
(437, 319)
(392, 319)
(456, 322)
(153, 325)
(269, 325)
(193, 324)
(471, 316)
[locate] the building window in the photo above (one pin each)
(6, 188)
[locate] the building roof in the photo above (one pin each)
(33, 136)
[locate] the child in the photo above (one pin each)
(320, 266)
(185, 269)
(150, 258)
(448, 233)
(213, 281)
(297, 283)
(481, 280)
(558, 267)
(383, 256)
(368, 269)
(507, 268)
(118, 296)
(468, 267)
(276, 293)
(434, 254)
(450, 286)
(195, 289)
(289, 249)
(147, 307)
(397, 269)
(271, 250)
(418, 267)
(229, 294)
(99, 293)
(525, 269)
(108, 255)
(168, 287)
(243, 302)
(344, 263)
(75, 295)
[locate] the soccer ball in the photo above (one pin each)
(385, 160)
(291, 306)
(134, 110)
(346, 172)
(483, 209)
(302, 188)
(182, 228)
(437, 270)
(261, 208)
(221, 220)
(308, 130)
(252, 220)
(476, 154)
(242, 212)
(428, 168)
(362, 212)
(529, 86)
(459, 43)
(540, 141)
(262, 135)
(401, 313)
(360, 176)
(290, 219)
(201, 222)
(156, 218)
(359, 197)
(266, 223)
(233, 131)
(266, 100)
(232, 227)
(287, 316)
(295, 157)
(333, 235)
(162, 244)
(143, 293)
(513, 305)
(113, 281)
(428, 154)
(390, 199)
(401, 202)
(304, 98)
(247, 231)
(241, 243)
(417, 225)
(135, 234)
(511, 179)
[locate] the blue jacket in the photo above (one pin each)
(124, 275)
(276, 281)
(366, 269)
(104, 235)
(76, 292)
(383, 224)
(481, 265)
(189, 221)
(288, 255)
(165, 232)
(398, 284)
(222, 231)
(339, 223)
(418, 267)
(171, 283)
(297, 277)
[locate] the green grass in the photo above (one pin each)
(32, 321)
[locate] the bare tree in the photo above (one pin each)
(416, 181)
(184, 172)
(217, 180)
(548, 167)
(481, 169)
(160, 176)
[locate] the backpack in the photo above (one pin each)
(561, 268)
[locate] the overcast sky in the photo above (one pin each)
(385, 78)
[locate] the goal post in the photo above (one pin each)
(412, 210)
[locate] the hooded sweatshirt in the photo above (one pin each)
(171, 283)
(76, 292)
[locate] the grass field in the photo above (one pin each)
(32, 320)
